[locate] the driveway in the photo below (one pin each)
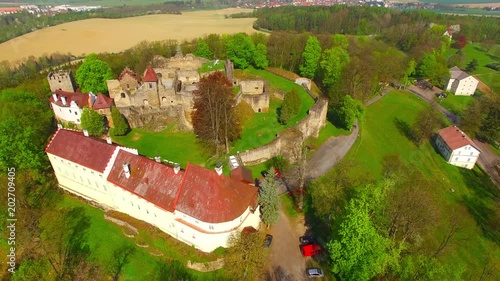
(428, 96)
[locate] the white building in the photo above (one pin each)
(461, 83)
(457, 148)
(197, 206)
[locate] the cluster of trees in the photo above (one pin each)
(481, 119)
(92, 75)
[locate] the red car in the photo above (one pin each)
(277, 173)
(310, 250)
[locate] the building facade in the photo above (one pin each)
(457, 148)
(197, 206)
(461, 83)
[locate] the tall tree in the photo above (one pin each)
(333, 62)
(215, 119)
(246, 257)
(202, 49)
(120, 125)
(92, 75)
(471, 119)
(121, 256)
(434, 68)
(310, 56)
(471, 67)
(260, 57)
(240, 50)
(409, 71)
(428, 120)
(269, 200)
(92, 121)
(490, 127)
(348, 111)
(290, 106)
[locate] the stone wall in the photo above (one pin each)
(61, 80)
(289, 140)
(252, 87)
(156, 119)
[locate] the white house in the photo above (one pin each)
(457, 148)
(197, 206)
(461, 83)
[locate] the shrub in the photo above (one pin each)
(290, 106)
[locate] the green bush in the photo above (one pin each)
(290, 106)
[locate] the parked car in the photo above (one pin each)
(314, 272)
(268, 240)
(310, 250)
(305, 240)
(277, 173)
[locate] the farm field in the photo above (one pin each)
(476, 2)
(382, 133)
(114, 35)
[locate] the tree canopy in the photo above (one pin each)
(311, 56)
(348, 111)
(92, 75)
(269, 200)
(290, 106)
(240, 50)
(120, 125)
(434, 68)
(202, 49)
(92, 121)
(260, 57)
(246, 257)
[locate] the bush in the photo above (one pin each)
(120, 126)
(290, 106)
(494, 66)
(244, 111)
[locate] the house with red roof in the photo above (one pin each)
(196, 205)
(457, 148)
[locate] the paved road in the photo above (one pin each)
(428, 96)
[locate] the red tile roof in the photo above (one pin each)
(150, 75)
(80, 99)
(455, 138)
(102, 102)
(155, 182)
(211, 198)
(75, 147)
(242, 174)
(129, 72)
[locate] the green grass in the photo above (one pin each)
(327, 132)
(455, 104)
(381, 134)
(209, 66)
(288, 206)
(262, 128)
(104, 237)
(170, 144)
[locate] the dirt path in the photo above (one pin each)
(286, 261)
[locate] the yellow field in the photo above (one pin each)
(114, 35)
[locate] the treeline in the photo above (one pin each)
(370, 21)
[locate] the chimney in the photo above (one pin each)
(86, 133)
(126, 170)
(218, 168)
(59, 126)
(177, 168)
(54, 96)
(63, 99)
(158, 159)
(108, 140)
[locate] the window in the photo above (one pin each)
(138, 207)
(76, 113)
(128, 86)
(147, 211)
(182, 230)
(211, 227)
(471, 153)
(77, 120)
(468, 159)
(131, 203)
(123, 95)
(60, 109)
(456, 158)
(155, 215)
(150, 85)
(70, 111)
(145, 102)
(196, 221)
(256, 88)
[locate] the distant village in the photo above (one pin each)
(46, 9)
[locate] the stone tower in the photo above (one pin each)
(61, 80)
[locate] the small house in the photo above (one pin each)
(457, 148)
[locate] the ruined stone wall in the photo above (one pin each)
(128, 82)
(315, 119)
(61, 80)
(252, 87)
(156, 119)
(259, 103)
(146, 95)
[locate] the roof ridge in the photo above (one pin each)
(180, 187)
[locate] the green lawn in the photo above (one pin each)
(170, 144)
(455, 104)
(211, 66)
(262, 128)
(383, 133)
(327, 132)
(104, 237)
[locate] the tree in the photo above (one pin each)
(246, 257)
(428, 120)
(260, 57)
(460, 42)
(92, 121)
(121, 256)
(31, 269)
(171, 271)
(434, 68)
(64, 240)
(202, 50)
(240, 50)
(472, 66)
(290, 106)
(490, 128)
(215, 119)
(471, 119)
(311, 56)
(348, 111)
(92, 75)
(333, 63)
(269, 200)
(120, 126)
(409, 71)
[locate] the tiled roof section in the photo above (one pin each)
(457, 73)
(102, 102)
(153, 181)
(150, 75)
(87, 151)
(455, 138)
(80, 99)
(128, 72)
(211, 198)
(242, 174)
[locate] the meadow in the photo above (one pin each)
(383, 133)
(115, 35)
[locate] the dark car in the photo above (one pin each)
(314, 272)
(268, 240)
(305, 240)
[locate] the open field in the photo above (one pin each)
(383, 134)
(114, 35)
(449, 2)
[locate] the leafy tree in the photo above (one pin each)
(472, 66)
(460, 42)
(290, 106)
(240, 50)
(269, 200)
(260, 57)
(121, 257)
(434, 68)
(246, 257)
(215, 119)
(428, 120)
(471, 120)
(311, 56)
(120, 125)
(202, 49)
(409, 71)
(171, 271)
(340, 40)
(490, 128)
(31, 269)
(92, 121)
(93, 74)
(333, 62)
(348, 111)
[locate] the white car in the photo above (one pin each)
(314, 272)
